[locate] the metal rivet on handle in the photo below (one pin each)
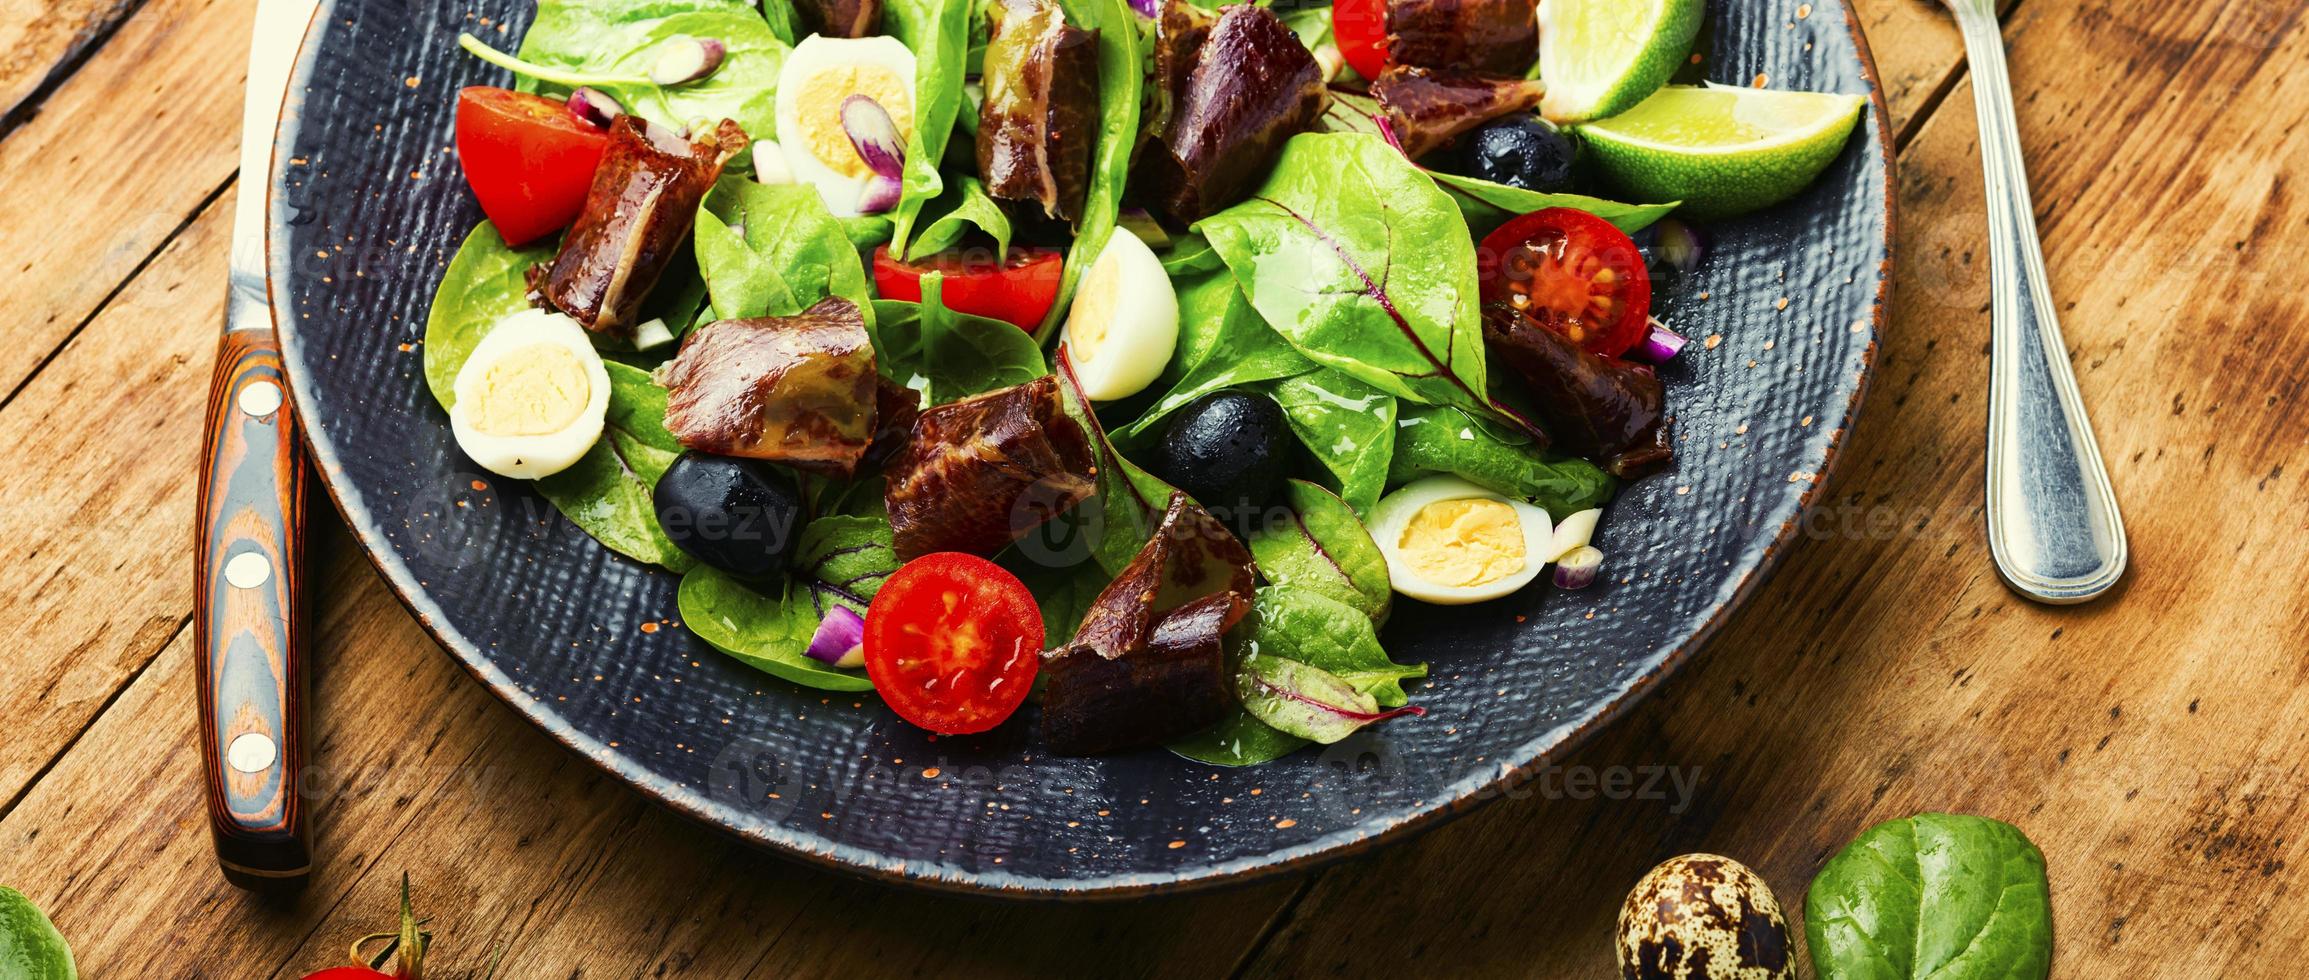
(251, 752)
(260, 398)
(248, 570)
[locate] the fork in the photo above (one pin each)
(2053, 525)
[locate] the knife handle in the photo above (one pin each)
(250, 663)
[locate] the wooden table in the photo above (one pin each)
(2152, 743)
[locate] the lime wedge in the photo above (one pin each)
(1722, 150)
(1601, 57)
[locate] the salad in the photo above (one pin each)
(1128, 356)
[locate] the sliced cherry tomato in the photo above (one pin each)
(1571, 272)
(1020, 289)
(528, 159)
(1360, 27)
(952, 643)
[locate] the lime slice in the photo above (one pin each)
(1722, 150)
(1601, 57)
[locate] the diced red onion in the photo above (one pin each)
(594, 107)
(1149, 9)
(1660, 344)
(874, 135)
(1679, 245)
(880, 194)
(838, 639)
(1577, 570)
(688, 59)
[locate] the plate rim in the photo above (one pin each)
(1457, 799)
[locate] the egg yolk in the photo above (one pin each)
(820, 113)
(1463, 543)
(530, 391)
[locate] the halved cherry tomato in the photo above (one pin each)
(1571, 272)
(1360, 27)
(527, 158)
(1020, 289)
(952, 643)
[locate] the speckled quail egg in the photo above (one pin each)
(531, 398)
(1704, 917)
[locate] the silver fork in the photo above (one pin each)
(2053, 525)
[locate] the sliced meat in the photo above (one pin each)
(1180, 30)
(1494, 37)
(800, 390)
(1253, 86)
(1149, 662)
(1427, 107)
(981, 472)
(1606, 410)
(1040, 115)
(842, 18)
(636, 220)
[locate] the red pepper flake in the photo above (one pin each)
(1286, 822)
(649, 627)
(1176, 844)
(930, 773)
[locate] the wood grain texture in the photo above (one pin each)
(138, 140)
(2150, 743)
(40, 38)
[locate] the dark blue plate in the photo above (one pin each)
(371, 206)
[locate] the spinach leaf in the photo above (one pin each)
(1305, 627)
(30, 946)
(1431, 439)
(486, 281)
(1937, 895)
(840, 560)
(1353, 254)
(1222, 344)
(774, 250)
(1121, 76)
(1191, 255)
(964, 206)
(864, 232)
(1487, 205)
(1325, 549)
(1348, 426)
(1129, 505)
(607, 491)
(611, 46)
(939, 33)
(947, 355)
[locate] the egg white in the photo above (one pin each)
(531, 456)
(1124, 324)
(1394, 514)
(815, 55)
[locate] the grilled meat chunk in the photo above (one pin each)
(981, 472)
(800, 390)
(636, 220)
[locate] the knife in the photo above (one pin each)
(245, 613)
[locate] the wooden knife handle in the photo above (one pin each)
(246, 616)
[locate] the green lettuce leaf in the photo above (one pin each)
(1431, 440)
(963, 207)
(947, 355)
(1324, 638)
(774, 250)
(1937, 895)
(607, 492)
(1487, 205)
(30, 946)
(1324, 548)
(623, 40)
(840, 560)
(486, 281)
(939, 32)
(1347, 426)
(1385, 294)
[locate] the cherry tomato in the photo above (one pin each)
(1018, 290)
(528, 159)
(952, 643)
(1571, 272)
(1360, 27)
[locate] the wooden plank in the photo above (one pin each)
(1918, 54)
(39, 38)
(2151, 743)
(94, 546)
(136, 140)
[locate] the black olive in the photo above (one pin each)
(1229, 450)
(737, 515)
(1521, 150)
